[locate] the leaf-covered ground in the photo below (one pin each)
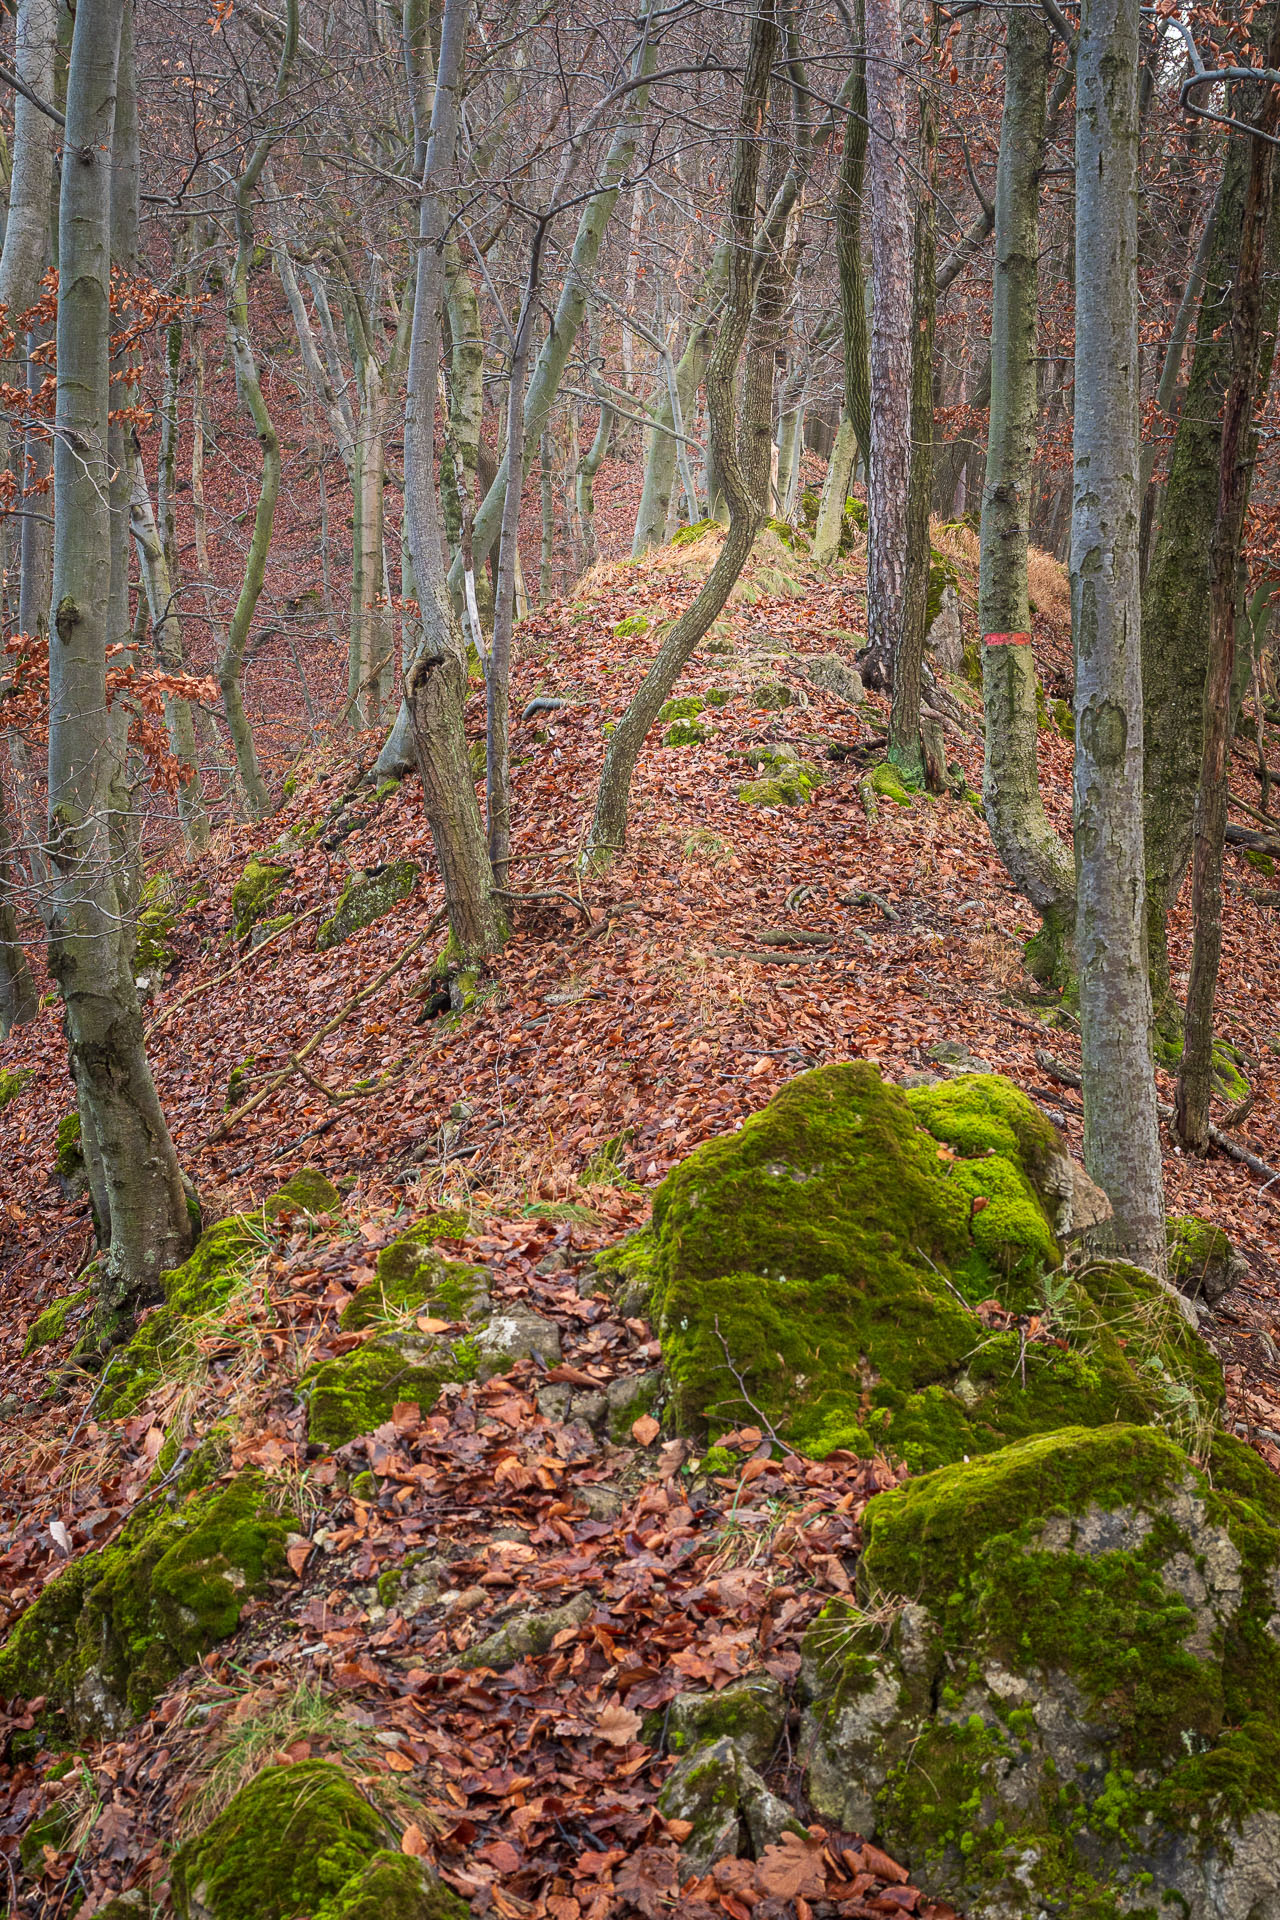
(633, 1014)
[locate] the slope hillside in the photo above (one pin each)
(482, 1584)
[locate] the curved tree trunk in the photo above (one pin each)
(743, 467)
(1038, 863)
(89, 943)
(1121, 1138)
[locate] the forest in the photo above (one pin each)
(639, 1150)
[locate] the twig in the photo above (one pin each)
(763, 1418)
(505, 893)
(206, 986)
(277, 1080)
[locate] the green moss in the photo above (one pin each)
(686, 707)
(634, 624)
(942, 574)
(52, 1828)
(700, 528)
(367, 898)
(254, 892)
(52, 1323)
(1063, 718)
(684, 733)
(791, 786)
(201, 1288)
(359, 1390)
(153, 934)
(238, 1082)
(771, 695)
(832, 1252)
(297, 1840)
(720, 696)
(1067, 1560)
(12, 1081)
(886, 780)
(810, 502)
(411, 1277)
(395, 1887)
(1263, 862)
(116, 1626)
(68, 1160)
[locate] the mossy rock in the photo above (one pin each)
(698, 531)
(1203, 1263)
(750, 1712)
(685, 733)
(12, 1081)
(1261, 862)
(833, 1252)
(360, 1390)
(366, 898)
(634, 625)
(50, 1325)
(411, 1277)
(791, 784)
(1227, 1062)
(720, 696)
(200, 1288)
(1063, 1695)
(942, 574)
(687, 706)
(116, 1626)
(771, 695)
(1063, 718)
(254, 893)
(304, 1840)
(887, 782)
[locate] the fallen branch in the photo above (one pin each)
(505, 893)
(206, 986)
(1222, 1141)
(277, 1080)
(792, 936)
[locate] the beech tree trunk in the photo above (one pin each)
(853, 437)
(1228, 580)
(436, 684)
(1038, 863)
(146, 1221)
(890, 357)
(743, 467)
(1121, 1138)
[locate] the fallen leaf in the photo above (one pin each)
(792, 1869)
(618, 1725)
(645, 1429)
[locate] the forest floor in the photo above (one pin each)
(632, 1015)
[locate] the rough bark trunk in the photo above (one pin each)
(18, 999)
(162, 603)
(662, 449)
(743, 468)
(1227, 582)
(436, 684)
(1121, 1138)
(890, 355)
(89, 944)
(1038, 863)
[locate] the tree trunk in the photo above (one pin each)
(18, 999)
(436, 684)
(1228, 578)
(1121, 1138)
(231, 665)
(1176, 599)
(662, 449)
(890, 356)
(743, 468)
(89, 944)
(915, 745)
(1038, 863)
(162, 602)
(835, 491)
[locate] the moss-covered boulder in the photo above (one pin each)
(51, 1325)
(202, 1287)
(685, 733)
(887, 783)
(1202, 1260)
(368, 897)
(685, 706)
(260, 883)
(110, 1631)
(12, 1081)
(789, 784)
(1060, 1691)
(410, 1277)
(359, 1391)
(304, 1840)
(876, 1267)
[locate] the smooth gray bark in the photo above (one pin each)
(1121, 1137)
(89, 935)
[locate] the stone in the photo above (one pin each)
(626, 1398)
(825, 1266)
(516, 1333)
(750, 1712)
(833, 674)
(1203, 1262)
(1059, 1692)
(601, 1501)
(528, 1634)
(719, 1792)
(945, 638)
(368, 897)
